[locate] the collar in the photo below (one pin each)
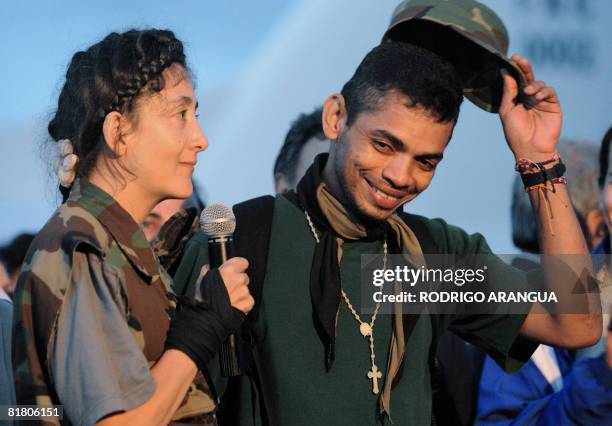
(118, 222)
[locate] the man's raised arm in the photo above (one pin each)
(532, 133)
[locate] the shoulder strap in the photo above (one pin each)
(251, 241)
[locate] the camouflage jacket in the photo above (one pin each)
(91, 238)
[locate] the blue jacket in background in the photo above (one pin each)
(526, 398)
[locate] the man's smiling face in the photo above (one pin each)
(386, 157)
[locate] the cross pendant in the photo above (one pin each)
(374, 374)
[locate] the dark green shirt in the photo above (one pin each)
(298, 387)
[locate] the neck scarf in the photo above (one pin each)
(335, 224)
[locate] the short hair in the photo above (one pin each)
(604, 155)
(13, 254)
(426, 79)
(579, 156)
(305, 127)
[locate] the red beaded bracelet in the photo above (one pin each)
(524, 165)
(556, 181)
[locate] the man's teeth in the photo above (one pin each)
(387, 196)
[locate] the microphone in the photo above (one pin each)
(219, 223)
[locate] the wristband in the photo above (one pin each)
(544, 175)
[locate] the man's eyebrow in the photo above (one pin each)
(431, 156)
(397, 143)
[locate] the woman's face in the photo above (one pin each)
(166, 139)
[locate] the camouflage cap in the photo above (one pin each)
(468, 34)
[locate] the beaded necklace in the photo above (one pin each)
(366, 329)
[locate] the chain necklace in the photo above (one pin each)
(366, 329)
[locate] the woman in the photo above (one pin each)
(98, 329)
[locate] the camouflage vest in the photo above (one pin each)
(93, 221)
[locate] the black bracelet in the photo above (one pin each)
(544, 175)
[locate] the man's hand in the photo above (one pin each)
(531, 130)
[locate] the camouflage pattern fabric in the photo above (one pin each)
(91, 221)
(468, 34)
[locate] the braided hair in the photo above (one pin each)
(110, 76)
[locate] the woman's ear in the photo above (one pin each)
(334, 116)
(113, 133)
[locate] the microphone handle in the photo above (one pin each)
(219, 250)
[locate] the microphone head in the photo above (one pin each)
(218, 220)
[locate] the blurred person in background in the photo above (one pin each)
(169, 226)
(602, 259)
(7, 385)
(554, 387)
(97, 326)
(605, 186)
(304, 141)
(580, 158)
(11, 258)
(12, 255)
(161, 213)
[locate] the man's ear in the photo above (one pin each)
(113, 135)
(334, 116)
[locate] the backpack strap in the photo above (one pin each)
(251, 241)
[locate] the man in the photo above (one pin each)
(304, 141)
(389, 128)
(605, 186)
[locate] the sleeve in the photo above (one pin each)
(525, 397)
(96, 365)
(496, 332)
